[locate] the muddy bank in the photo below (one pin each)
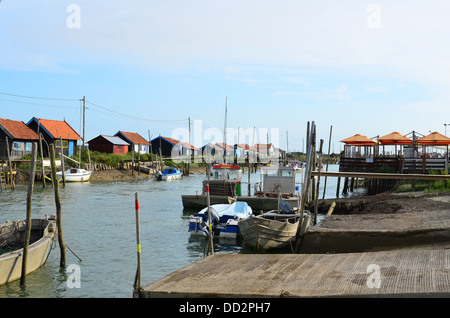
(105, 175)
(387, 203)
(382, 222)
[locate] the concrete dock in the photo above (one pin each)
(400, 273)
(400, 254)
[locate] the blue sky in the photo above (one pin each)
(362, 67)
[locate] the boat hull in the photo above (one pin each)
(256, 203)
(75, 177)
(11, 262)
(264, 233)
(226, 230)
(170, 177)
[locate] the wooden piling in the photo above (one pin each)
(338, 186)
(42, 160)
(62, 262)
(28, 216)
(318, 183)
(137, 280)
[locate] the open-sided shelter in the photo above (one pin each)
(359, 146)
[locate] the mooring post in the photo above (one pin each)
(28, 217)
(210, 229)
(62, 261)
(137, 279)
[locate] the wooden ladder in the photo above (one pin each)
(2, 181)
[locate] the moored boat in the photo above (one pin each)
(225, 219)
(75, 175)
(272, 229)
(168, 174)
(276, 180)
(11, 247)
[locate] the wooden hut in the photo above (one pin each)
(167, 147)
(20, 138)
(53, 131)
(136, 141)
(109, 144)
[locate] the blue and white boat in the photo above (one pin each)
(168, 174)
(225, 218)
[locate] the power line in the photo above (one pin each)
(134, 117)
(30, 103)
(45, 98)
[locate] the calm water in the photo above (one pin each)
(99, 227)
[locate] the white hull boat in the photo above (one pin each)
(225, 218)
(75, 175)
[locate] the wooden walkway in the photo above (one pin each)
(399, 273)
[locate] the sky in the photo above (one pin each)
(147, 66)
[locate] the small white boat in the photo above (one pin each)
(43, 233)
(273, 229)
(225, 218)
(168, 174)
(75, 175)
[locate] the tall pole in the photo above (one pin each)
(190, 148)
(225, 127)
(84, 117)
(137, 280)
(62, 262)
(28, 217)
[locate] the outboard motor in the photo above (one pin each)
(215, 220)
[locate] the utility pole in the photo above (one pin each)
(84, 117)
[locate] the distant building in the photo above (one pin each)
(167, 146)
(109, 144)
(20, 139)
(136, 141)
(53, 131)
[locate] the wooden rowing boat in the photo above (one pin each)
(12, 233)
(272, 229)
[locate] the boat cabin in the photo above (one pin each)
(226, 181)
(277, 179)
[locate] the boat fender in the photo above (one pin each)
(286, 208)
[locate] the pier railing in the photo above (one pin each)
(393, 164)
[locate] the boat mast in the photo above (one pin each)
(225, 127)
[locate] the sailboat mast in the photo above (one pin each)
(225, 126)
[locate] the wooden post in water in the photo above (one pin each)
(62, 162)
(306, 181)
(318, 183)
(62, 262)
(137, 279)
(28, 217)
(325, 183)
(42, 160)
(10, 170)
(210, 230)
